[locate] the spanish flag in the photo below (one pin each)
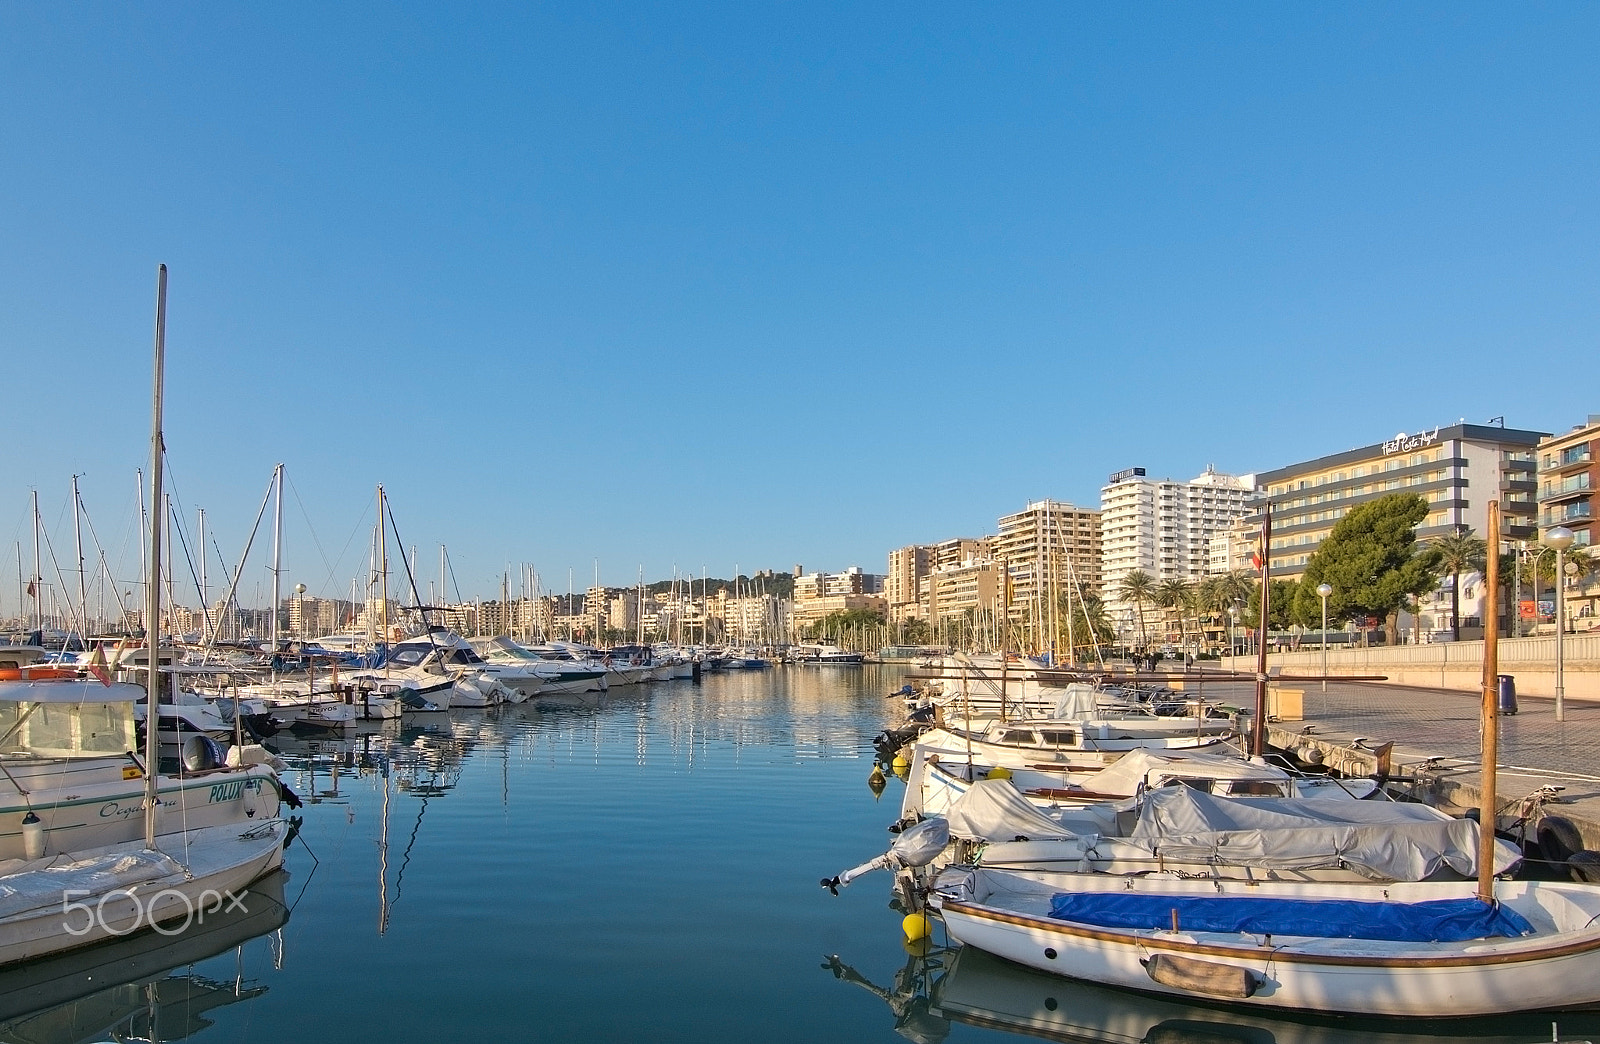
(98, 666)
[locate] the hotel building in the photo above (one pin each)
(1169, 530)
(1458, 470)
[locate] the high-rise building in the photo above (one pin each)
(1458, 470)
(1048, 549)
(1169, 530)
(906, 587)
(908, 566)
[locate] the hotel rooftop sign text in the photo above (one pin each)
(1403, 443)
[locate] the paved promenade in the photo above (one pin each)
(1438, 743)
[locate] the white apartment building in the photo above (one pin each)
(1170, 530)
(1047, 548)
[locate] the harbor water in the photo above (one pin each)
(646, 870)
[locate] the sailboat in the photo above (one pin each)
(51, 903)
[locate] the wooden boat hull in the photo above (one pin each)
(1550, 970)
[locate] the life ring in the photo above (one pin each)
(37, 673)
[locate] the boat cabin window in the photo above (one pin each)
(1256, 788)
(1018, 736)
(466, 656)
(408, 657)
(1199, 783)
(67, 730)
(1059, 737)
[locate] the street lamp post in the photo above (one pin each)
(1233, 621)
(1323, 591)
(1560, 538)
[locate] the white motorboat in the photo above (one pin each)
(519, 677)
(823, 655)
(558, 672)
(1084, 742)
(423, 677)
(65, 765)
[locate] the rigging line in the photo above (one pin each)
(233, 584)
(95, 538)
(312, 530)
(450, 566)
(80, 630)
(193, 573)
(179, 510)
(405, 560)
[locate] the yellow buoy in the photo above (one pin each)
(899, 764)
(998, 772)
(875, 778)
(916, 926)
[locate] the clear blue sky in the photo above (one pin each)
(768, 283)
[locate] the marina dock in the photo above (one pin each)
(1437, 741)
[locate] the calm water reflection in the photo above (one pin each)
(645, 870)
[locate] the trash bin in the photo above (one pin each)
(1508, 694)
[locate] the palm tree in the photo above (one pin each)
(1460, 553)
(1176, 594)
(1222, 591)
(1136, 586)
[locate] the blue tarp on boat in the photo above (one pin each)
(1435, 920)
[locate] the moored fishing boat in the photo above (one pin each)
(1423, 949)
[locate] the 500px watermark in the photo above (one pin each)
(165, 904)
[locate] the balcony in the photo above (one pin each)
(1572, 457)
(1566, 489)
(1579, 511)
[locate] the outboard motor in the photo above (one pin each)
(917, 845)
(201, 753)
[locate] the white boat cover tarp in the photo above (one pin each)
(1383, 840)
(1122, 778)
(993, 810)
(1069, 703)
(31, 890)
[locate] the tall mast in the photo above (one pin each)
(205, 600)
(77, 539)
(144, 528)
(383, 572)
(1258, 741)
(277, 558)
(39, 583)
(1487, 802)
(152, 587)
